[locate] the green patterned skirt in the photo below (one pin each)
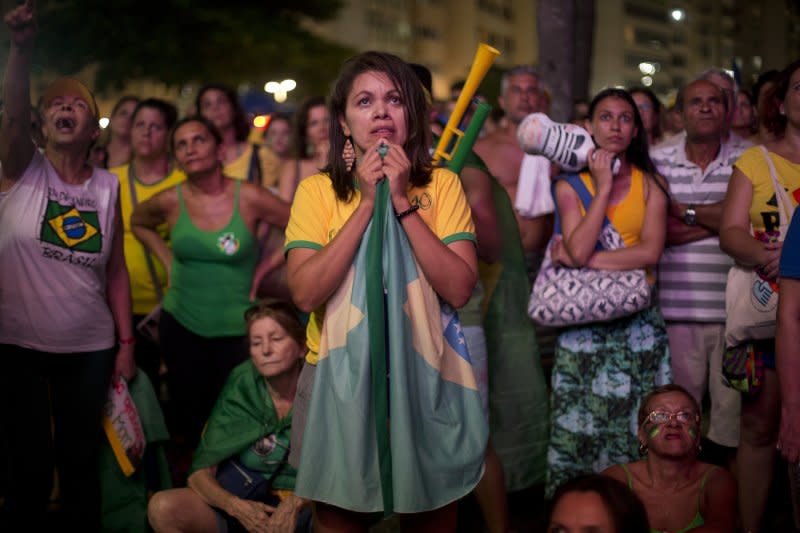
(600, 374)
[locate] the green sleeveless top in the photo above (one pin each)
(697, 521)
(211, 274)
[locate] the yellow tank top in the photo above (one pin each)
(628, 215)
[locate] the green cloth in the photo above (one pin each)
(436, 433)
(124, 499)
(518, 396)
(243, 414)
(211, 274)
(470, 314)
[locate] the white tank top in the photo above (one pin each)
(55, 241)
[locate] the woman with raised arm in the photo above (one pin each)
(65, 305)
(387, 416)
(602, 369)
(212, 221)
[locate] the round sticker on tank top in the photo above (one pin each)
(228, 243)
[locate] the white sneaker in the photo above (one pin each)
(566, 145)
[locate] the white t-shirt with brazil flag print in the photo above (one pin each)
(55, 241)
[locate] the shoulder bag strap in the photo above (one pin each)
(585, 196)
(785, 208)
(254, 171)
(148, 258)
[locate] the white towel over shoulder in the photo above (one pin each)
(534, 198)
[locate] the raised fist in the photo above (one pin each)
(22, 23)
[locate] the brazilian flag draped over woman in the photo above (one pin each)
(395, 421)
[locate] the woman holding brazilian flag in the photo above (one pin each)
(378, 248)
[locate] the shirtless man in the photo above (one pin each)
(520, 96)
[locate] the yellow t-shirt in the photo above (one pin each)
(317, 215)
(764, 214)
(143, 292)
(239, 168)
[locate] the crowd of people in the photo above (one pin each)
(337, 330)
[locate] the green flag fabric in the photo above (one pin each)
(519, 411)
(243, 414)
(395, 422)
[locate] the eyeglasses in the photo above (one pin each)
(663, 417)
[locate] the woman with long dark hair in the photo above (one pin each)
(380, 216)
(649, 107)
(242, 160)
(602, 369)
(596, 503)
(310, 140)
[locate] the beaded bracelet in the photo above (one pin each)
(129, 340)
(407, 212)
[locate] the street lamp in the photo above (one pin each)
(647, 68)
(677, 14)
(280, 90)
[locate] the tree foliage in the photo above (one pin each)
(181, 41)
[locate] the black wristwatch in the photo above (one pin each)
(690, 215)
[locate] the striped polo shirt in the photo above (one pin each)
(692, 276)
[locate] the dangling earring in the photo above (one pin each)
(349, 155)
(642, 448)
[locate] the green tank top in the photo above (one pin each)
(697, 521)
(211, 274)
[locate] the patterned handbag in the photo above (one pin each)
(564, 296)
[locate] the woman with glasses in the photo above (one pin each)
(247, 436)
(679, 492)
